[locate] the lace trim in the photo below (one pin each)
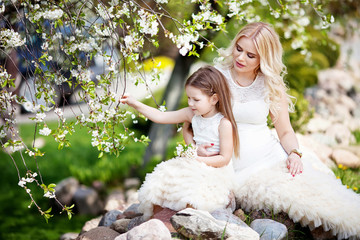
(255, 91)
(201, 123)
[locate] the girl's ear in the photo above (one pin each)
(214, 99)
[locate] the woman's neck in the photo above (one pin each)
(243, 79)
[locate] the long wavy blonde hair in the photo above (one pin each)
(269, 48)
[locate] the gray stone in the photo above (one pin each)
(69, 236)
(135, 222)
(131, 183)
(109, 218)
(99, 233)
(66, 189)
(132, 211)
(91, 224)
(121, 225)
(227, 216)
(87, 201)
(115, 200)
(197, 224)
(150, 230)
(269, 229)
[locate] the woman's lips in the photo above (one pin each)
(239, 65)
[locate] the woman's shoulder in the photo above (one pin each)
(224, 70)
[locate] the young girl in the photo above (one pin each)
(203, 183)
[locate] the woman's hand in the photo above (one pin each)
(294, 164)
(203, 152)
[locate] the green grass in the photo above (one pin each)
(80, 160)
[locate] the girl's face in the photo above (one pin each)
(200, 103)
(245, 57)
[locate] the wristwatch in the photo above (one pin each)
(297, 152)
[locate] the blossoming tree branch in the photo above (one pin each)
(98, 47)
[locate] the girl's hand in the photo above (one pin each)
(294, 164)
(128, 99)
(203, 152)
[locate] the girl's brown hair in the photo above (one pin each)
(210, 81)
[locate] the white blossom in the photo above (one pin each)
(59, 112)
(40, 117)
(22, 182)
(45, 131)
(10, 38)
(162, 108)
(49, 194)
(2, 134)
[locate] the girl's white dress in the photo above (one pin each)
(315, 197)
(183, 181)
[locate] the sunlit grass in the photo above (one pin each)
(349, 177)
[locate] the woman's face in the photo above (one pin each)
(245, 56)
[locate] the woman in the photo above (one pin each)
(272, 173)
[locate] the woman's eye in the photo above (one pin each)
(238, 49)
(251, 56)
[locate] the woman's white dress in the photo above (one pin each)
(183, 181)
(312, 198)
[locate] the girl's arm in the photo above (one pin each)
(188, 135)
(155, 115)
(287, 137)
(226, 146)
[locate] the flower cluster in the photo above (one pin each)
(186, 151)
(10, 39)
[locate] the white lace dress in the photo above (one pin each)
(182, 181)
(312, 198)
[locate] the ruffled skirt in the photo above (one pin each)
(314, 198)
(180, 182)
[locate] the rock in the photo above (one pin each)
(99, 233)
(197, 224)
(121, 225)
(132, 211)
(109, 218)
(240, 214)
(321, 150)
(164, 215)
(87, 201)
(65, 190)
(341, 133)
(115, 201)
(131, 196)
(91, 224)
(346, 158)
(69, 236)
(135, 222)
(152, 229)
(131, 183)
(335, 80)
(269, 229)
(227, 216)
(318, 124)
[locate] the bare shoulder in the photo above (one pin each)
(225, 123)
(189, 114)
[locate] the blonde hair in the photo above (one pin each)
(269, 48)
(211, 81)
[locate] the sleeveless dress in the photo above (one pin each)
(183, 181)
(315, 197)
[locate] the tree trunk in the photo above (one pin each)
(160, 133)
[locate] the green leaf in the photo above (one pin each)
(101, 154)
